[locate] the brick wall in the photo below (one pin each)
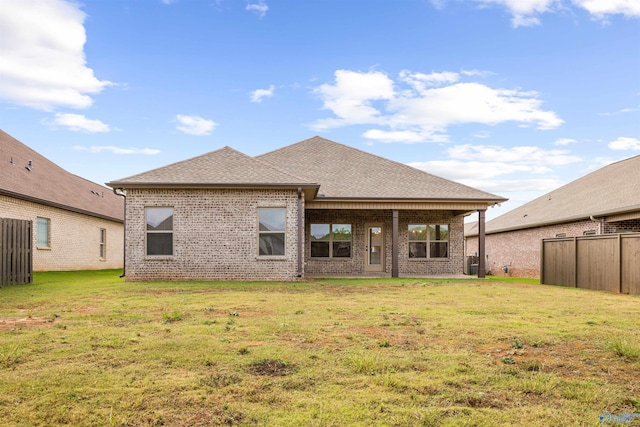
(520, 250)
(75, 238)
(355, 265)
(632, 225)
(215, 235)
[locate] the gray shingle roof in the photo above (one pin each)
(346, 172)
(225, 166)
(49, 184)
(610, 190)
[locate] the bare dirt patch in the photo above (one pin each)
(24, 322)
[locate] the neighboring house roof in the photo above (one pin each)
(612, 191)
(26, 175)
(225, 167)
(348, 173)
(471, 228)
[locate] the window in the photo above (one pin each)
(103, 243)
(428, 241)
(561, 235)
(159, 231)
(589, 233)
(43, 232)
(271, 231)
(330, 240)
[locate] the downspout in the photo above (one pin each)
(300, 227)
(600, 223)
(121, 192)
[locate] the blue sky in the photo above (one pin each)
(515, 97)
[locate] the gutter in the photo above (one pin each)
(121, 192)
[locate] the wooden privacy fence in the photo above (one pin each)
(609, 262)
(16, 264)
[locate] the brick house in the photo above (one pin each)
(603, 202)
(77, 224)
(314, 208)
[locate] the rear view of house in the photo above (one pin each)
(314, 208)
(77, 224)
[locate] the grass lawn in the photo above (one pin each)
(88, 349)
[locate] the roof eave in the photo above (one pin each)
(59, 206)
(489, 202)
(234, 186)
(574, 218)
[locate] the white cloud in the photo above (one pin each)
(527, 12)
(564, 141)
(117, 150)
(625, 143)
(482, 134)
(621, 111)
(351, 96)
(523, 12)
(258, 94)
(404, 136)
(414, 108)
(523, 155)
(194, 125)
(480, 166)
(259, 8)
(43, 63)
(600, 8)
(420, 81)
(458, 170)
(79, 123)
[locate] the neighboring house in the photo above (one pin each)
(315, 208)
(602, 202)
(77, 224)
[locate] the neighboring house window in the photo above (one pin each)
(103, 243)
(330, 240)
(589, 233)
(428, 241)
(159, 231)
(561, 235)
(271, 231)
(43, 232)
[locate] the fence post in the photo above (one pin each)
(575, 262)
(619, 247)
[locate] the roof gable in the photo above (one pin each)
(612, 189)
(346, 172)
(225, 166)
(27, 175)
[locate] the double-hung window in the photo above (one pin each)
(428, 241)
(103, 243)
(43, 232)
(159, 231)
(331, 240)
(271, 231)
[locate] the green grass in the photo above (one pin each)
(88, 349)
